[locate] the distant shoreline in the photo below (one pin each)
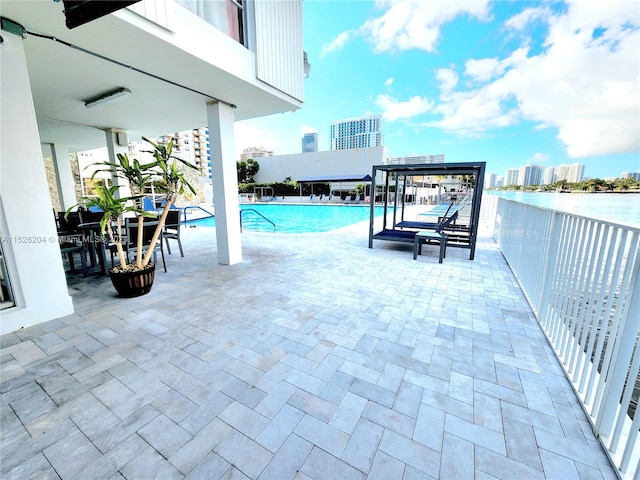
(562, 191)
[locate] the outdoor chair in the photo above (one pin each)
(71, 244)
(171, 230)
(437, 236)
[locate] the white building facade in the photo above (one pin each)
(530, 175)
(571, 173)
(331, 163)
(360, 132)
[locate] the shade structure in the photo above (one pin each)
(336, 178)
(394, 227)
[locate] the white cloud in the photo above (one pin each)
(389, 82)
(409, 24)
(335, 44)
(308, 129)
(527, 16)
(247, 136)
(393, 109)
(539, 157)
(584, 85)
(448, 79)
(486, 69)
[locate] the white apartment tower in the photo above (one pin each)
(511, 177)
(490, 180)
(570, 173)
(530, 175)
(356, 133)
(414, 159)
(254, 152)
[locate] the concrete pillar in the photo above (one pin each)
(28, 229)
(117, 142)
(64, 175)
(225, 183)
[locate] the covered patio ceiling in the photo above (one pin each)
(169, 89)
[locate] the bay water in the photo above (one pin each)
(621, 208)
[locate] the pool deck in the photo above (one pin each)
(315, 358)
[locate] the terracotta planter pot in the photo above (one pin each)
(133, 284)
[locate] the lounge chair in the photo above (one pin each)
(436, 236)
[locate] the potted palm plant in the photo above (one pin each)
(136, 278)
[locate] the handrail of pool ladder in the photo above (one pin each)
(259, 214)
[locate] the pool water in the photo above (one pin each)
(298, 218)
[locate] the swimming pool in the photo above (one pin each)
(298, 218)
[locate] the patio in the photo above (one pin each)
(316, 357)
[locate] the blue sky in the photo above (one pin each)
(507, 82)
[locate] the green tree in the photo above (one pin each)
(247, 170)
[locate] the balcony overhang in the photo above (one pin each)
(169, 86)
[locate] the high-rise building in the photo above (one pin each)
(254, 152)
(191, 146)
(511, 177)
(310, 142)
(530, 175)
(549, 175)
(414, 159)
(570, 173)
(635, 175)
(490, 180)
(356, 133)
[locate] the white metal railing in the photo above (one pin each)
(581, 278)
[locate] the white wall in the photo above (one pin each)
(311, 164)
(31, 241)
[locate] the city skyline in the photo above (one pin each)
(553, 83)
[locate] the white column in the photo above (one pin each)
(117, 142)
(26, 216)
(64, 175)
(225, 183)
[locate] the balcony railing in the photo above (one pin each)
(581, 278)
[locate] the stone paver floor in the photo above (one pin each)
(315, 358)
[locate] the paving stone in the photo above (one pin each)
(150, 464)
(363, 445)
(164, 435)
(321, 434)
(289, 459)
(243, 419)
(410, 452)
(385, 467)
(323, 466)
(457, 459)
(313, 405)
(390, 419)
(213, 466)
(205, 413)
(36, 467)
(429, 428)
(279, 429)
(248, 456)
(195, 451)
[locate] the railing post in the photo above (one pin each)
(622, 354)
(547, 274)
